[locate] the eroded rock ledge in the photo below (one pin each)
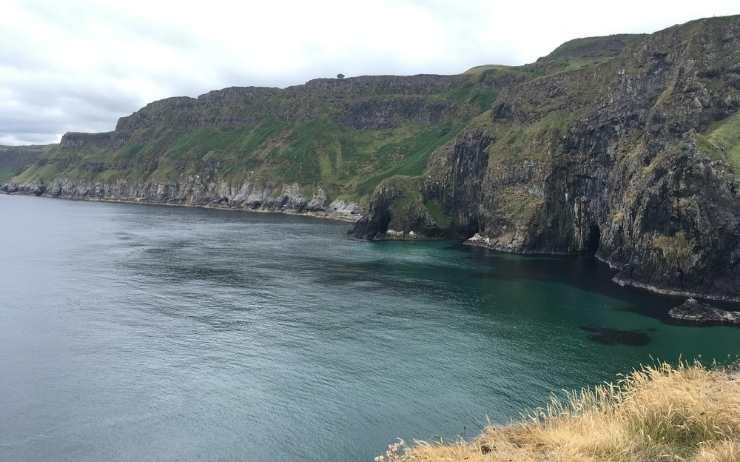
(695, 311)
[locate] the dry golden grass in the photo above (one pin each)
(660, 413)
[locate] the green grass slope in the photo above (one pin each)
(345, 136)
(722, 141)
(16, 159)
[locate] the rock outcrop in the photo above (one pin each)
(608, 159)
(701, 313)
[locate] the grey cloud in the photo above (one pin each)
(81, 13)
(79, 65)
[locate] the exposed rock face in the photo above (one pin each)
(383, 113)
(396, 212)
(458, 187)
(360, 103)
(694, 311)
(605, 160)
(195, 192)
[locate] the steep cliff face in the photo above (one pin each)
(620, 158)
(268, 148)
(625, 147)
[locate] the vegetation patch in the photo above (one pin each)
(6, 174)
(407, 155)
(682, 413)
(722, 142)
(435, 211)
(518, 142)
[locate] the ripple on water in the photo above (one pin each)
(154, 333)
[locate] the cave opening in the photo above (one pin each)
(591, 244)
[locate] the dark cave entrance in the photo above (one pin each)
(591, 244)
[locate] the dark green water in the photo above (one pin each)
(135, 333)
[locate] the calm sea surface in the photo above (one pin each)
(141, 333)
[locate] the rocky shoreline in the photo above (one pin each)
(486, 243)
(289, 202)
(672, 292)
(495, 246)
(695, 311)
(690, 311)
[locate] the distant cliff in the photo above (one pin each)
(15, 159)
(625, 147)
(317, 148)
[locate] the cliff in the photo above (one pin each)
(316, 148)
(625, 147)
(15, 159)
(632, 158)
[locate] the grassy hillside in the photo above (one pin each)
(722, 141)
(657, 413)
(16, 159)
(343, 135)
(344, 161)
(346, 132)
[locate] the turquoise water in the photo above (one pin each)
(134, 333)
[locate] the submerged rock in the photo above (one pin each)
(695, 311)
(608, 336)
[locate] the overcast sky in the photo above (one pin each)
(78, 65)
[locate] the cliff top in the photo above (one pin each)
(686, 412)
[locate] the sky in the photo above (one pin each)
(79, 65)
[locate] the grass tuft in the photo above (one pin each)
(671, 413)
